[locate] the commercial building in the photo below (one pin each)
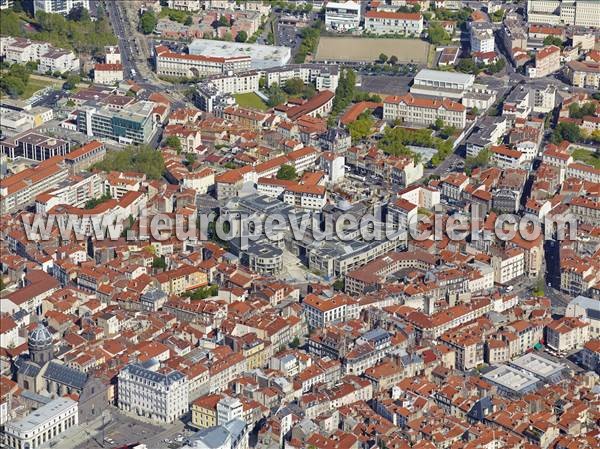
(43, 424)
(148, 390)
(587, 310)
(548, 371)
(63, 7)
(512, 382)
(342, 16)
(387, 22)
(442, 84)
(582, 13)
(181, 65)
(261, 56)
(134, 125)
(424, 111)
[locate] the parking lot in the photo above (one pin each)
(385, 84)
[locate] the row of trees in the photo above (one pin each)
(468, 65)
(310, 40)
(344, 94)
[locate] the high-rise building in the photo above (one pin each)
(59, 6)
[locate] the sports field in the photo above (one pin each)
(251, 100)
(369, 49)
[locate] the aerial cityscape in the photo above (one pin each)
(302, 224)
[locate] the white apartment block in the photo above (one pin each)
(161, 395)
(386, 22)
(324, 77)
(185, 5)
(42, 425)
(424, 111)
(307, 197)
(239, 83)
(75, 193)
(18, 50)
(482, 40)
(59, 6)
(342, 16)
(182, 65)
(582, 13)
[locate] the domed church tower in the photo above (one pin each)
(41, 346)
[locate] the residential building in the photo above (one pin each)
(63, 7)
(547, 61)
(231, 435)
(385, 22)
(584, 74)
(160, 394)
(248, 55)
(482, 40)
(108, 73)
(567, 334)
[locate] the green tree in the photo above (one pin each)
(393, 60)
(295, 343)
(553, 40)
(438, 124)
(480, 161)
(361, 128)
(467, 65)
(576, 111)
(72, 82)
(188, 21)
(79, 14)
(242, 36)
(382, 58)
(566, 131)
(148, 22)
(438, 35)
(276, 95)
(338, 285)
(96, 201)
(294, 86)
(223, 21)
(159, 263)
(228, 36)
(173, 142)
(287, 172)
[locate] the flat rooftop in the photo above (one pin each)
(512, 379)
(43, 414)
(428, 76)
(537, 365)
(263, 56)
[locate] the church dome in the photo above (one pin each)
(39, 338)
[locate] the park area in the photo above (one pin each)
(251, 100)
(368, 49)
